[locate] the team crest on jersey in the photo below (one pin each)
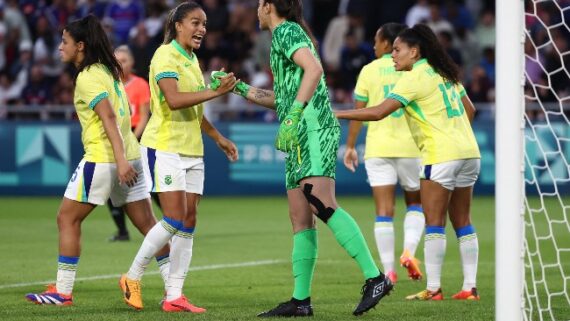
(168, 179)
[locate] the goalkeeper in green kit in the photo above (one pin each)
(309, 133)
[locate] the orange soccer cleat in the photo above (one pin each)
(181, 305)
(131, 292)
(392, 276)
(467, 295)
(412, 265)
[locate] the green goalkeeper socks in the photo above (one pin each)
(349, 236)
(304, 258)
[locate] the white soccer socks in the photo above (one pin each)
(469, 248)
(180, 258)
(434, 253)
(414, 225)
(384, 234)
(155, 239)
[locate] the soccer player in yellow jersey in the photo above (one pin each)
(439, 114)
(391, 155)
(111, 166)
(173, 148)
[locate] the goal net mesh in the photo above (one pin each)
(547, 156)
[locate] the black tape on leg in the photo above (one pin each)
(323, 213)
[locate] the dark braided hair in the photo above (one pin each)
(423, 37)
(389, 31)
(292, 10)
(98, 48)
(177, 15)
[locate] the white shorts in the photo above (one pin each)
(457, 173)
(168, 172)
(95, 183)
(388, 171)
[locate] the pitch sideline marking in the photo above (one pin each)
(112, 276)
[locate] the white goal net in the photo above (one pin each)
(546, 289)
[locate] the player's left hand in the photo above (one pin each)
(287, 138)
(229, 148)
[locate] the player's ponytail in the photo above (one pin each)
(292, 10)
(97, 46)
(177, 15)
(423, 37)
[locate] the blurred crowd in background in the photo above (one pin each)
(30, 32)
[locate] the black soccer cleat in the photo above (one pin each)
(288, 309)
(119, 238)
(373, 291)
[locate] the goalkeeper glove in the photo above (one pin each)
(241, 88)
(287, 138)
(215, 81)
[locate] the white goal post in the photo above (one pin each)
(509, 168)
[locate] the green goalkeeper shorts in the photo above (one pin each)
(315, 156)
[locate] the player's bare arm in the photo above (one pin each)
(379, 112)
(179, 100)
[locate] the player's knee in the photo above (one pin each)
(66, 220)
(322, 212)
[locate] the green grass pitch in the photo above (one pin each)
(240, 267)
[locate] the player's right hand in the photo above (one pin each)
(287, 140)
(222, 82)
(127, 173)
(227, 83)
(350, 159)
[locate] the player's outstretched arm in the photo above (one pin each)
(265, 98)
(178, 100)
(379, 112)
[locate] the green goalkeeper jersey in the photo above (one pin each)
(287, 38)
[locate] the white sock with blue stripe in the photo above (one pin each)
(469, 248)
(155, 239)
(414, 225)
(384, 234)
(434, 253)
(164, 267)
(180, 258)
(66, 269)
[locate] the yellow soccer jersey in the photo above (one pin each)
(174, 131)
(391, 136)
(94, 84)
(435, 114)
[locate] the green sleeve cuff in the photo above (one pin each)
(166, 74)
(97, 99)
(399, 98)
(360, 98)
(462, 93)
(292, 50)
